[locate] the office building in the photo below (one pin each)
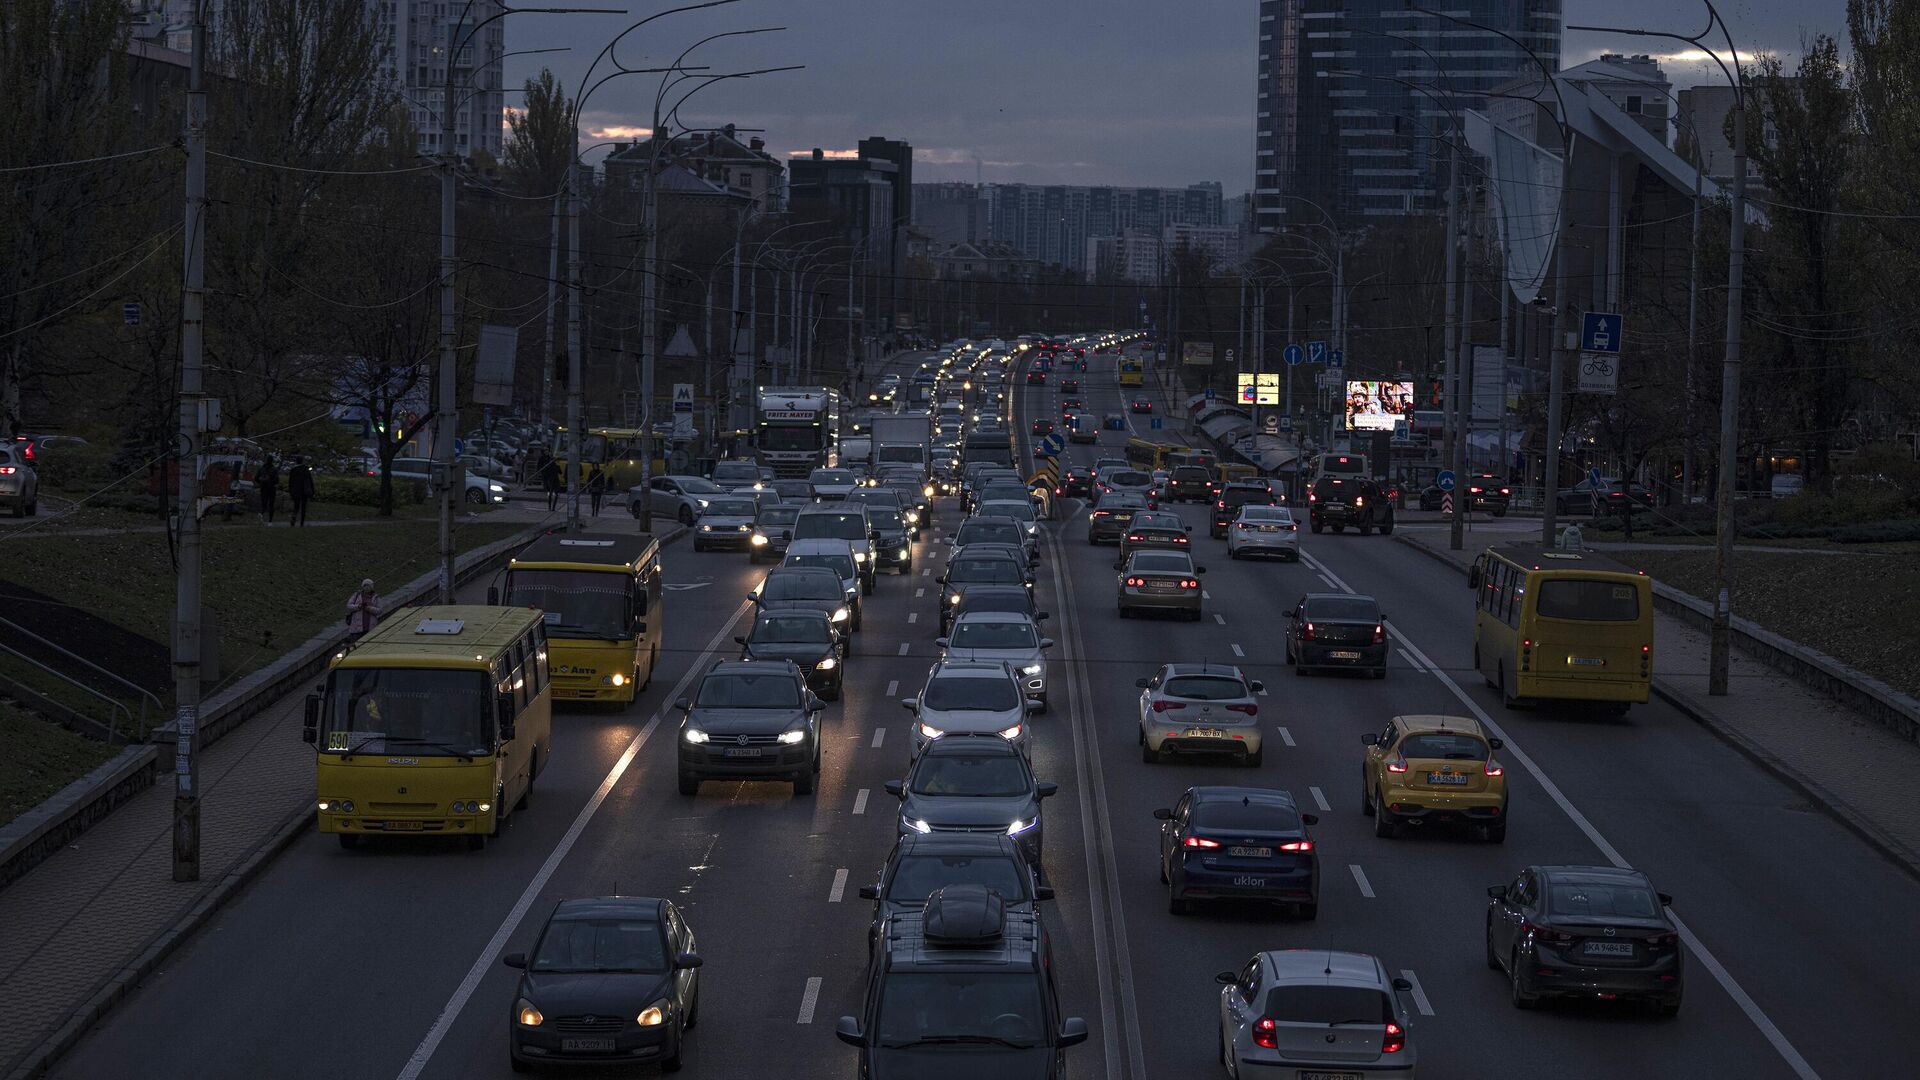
(1053, 223)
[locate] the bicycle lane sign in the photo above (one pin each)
(1599, 373)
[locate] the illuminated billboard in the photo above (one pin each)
(1261, 389)
(1378, 406)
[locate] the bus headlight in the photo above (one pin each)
(615, 679)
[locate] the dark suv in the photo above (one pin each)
(1227, 504)
(750, 720)
(1340, 501)
(962, 984)
(1190, 483)
(923, 863)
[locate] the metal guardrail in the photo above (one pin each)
(146, 696)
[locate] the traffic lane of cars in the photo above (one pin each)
(1746, 858)
(392, 926)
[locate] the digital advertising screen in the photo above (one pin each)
(1378, 406)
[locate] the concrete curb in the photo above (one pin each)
(1836, 807)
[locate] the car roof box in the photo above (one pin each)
(961, 914)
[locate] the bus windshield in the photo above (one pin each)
(799, 437)
(578, 603)
(415, 711)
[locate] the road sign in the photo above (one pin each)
(1286, 423)
(682, 397)
(1294, 355)
(1053, 443)
(1316, 352)
(1446, 502)
(1209, 393)
(459, 447)
(1153, 424)
(1337, 358)
(1600, 332)
(130, 314)
(1593, 478)
(1444, 481)
(1272, 422)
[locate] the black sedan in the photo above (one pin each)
(807, 638)
(1077, 481)
(1584, 932)
(610, 981)
(1337, 630)
(1223, 843)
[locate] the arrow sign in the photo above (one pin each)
(1337, 358)
(1593, 478)
(1316, 352)
(1053, 444)
(1600, 332)
(1294, 355)
(1444, 481)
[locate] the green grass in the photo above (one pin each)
(1855, 607)
(42, 757)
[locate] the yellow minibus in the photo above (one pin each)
(1558, 625)
(601, 596)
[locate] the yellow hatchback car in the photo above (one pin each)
(1433, 769)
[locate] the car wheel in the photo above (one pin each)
(1380, 672)
(1366, 799)
(1253, 758)
(1387, 529)
(1308, 911)
(671, 1063)
(1176, 905)
(1124, 613)
(1493, 959)
(1521, 999)
(1500, 513)
(1338, 528)
(697, 545)
(33, 508)
(689, 785)
(685, 515)
(1366, 530)
(1232, 552)
(349, 841)
(1667, 1010)
(1147, 753)
(533, 770)
(517, 1065)
(476, 496)
(1507, 700)
(1384, 826)
(803, 781)
(1497, 832)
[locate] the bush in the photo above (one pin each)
(78, 470)
(1853, 504)
(1885, 532)
(362, 490)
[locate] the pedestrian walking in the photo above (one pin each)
(597, 488)
(363, 610)
(550, 480)
(267, 480)
(300, 490)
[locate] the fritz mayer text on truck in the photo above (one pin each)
(798, 429)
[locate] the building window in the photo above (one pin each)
(1633, 103)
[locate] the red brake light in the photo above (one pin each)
(1263, 1034)
(1495, 770)
(1189, 583)
(1475, 489)
(1394, 1040)
(1297, 845)
(1136, 582)
(1168, 706)
(1179, 539)
(1379, 633)
(1546, 933)
(7, 470)
(1506, 491)
(1306, 632)
(1221, 505)
(1397, 765)
(1249, 708)
(1200, 842)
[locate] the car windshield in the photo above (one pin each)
(1588, 601)
(586, 945)
(1583, 898)
(790, 630)
(1122, 500)
(729, 508)
(841, 565)
(985, 775)
(1204, 688)
(1190, 474)
(831, 526)
(778, 515)
(831, 477)
(1018, 511)
(700, 485)
(1230, 815)
(985, 572)
(1162, 564)
(1002, 492)
(793, 490)
(993, 598)
(987, 532)
(1446, 745)
(995, 1007)
(959, 692)
(1265, 514)
(410, 710)
(804, 586)
(578, 603)
(1326, 1005)
(972, 634)
(743, 690)
(736, 472)
(886, 519)
(1343, 609)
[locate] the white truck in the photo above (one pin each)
(902, 439)
(797, 429)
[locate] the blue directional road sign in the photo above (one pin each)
(1053, 444)
(1286, 423)
(1600, 332)
(1444, 481)
(1593, 478)
(1294, 355)
(1337, 358)
(1316, 352)
(1209, 393)
(1154, 424)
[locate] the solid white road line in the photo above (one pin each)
(1419, 995)
(483, 963)
(808, 999)
(879, 736)
(1320, 800)
(860, 801)
(1285, 736)
(1237, 651)
(893, 687)
(1219, 618)
(839, 888)
(903, 648)
(1366, 890)
(1767, 1028)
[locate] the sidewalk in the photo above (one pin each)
(85, 926)
(1849, 766)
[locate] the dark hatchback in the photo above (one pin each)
(612, 981)
(807, 638)
(1238, 843)
(1337, 630)
(1586, 932)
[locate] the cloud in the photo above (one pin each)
(830, 155)
(617, 131)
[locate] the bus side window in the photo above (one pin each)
(640, 590)
(1510, 607)
(521, 692)
(540, 654)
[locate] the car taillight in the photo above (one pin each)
(1663, 941)
(7, 470)
(1379, 634)
(1312, 498)
(1179, 539)
(1249, 708)
(1136, 582)
(1135, 538)
(1221, 505)
(1506, 491)
(1200, 842)
(1306, 632)
(1395, 1039)
(1297, 845)
(1189, 583)
(1495, 770)
(1398, 764)
(1168, 706)
(1474, 489)
(1291, 527)
(1264, 1035)
(1102, 513)
(1547, 933)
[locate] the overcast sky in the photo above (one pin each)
(1129, 92)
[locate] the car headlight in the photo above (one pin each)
(839, 614)
(930, 731)
(694, 735)
(1010, 732)
(703, 503)
(953, 598)
(859, 556)
(928, 492)
(916, 824)
(706, 528)
(497, 489)
(1018, 826)
(1032, 669)
(906, 554)
(913, 516)
(792, 738)
(759, 540)
(827, 664)
(526, 1014)
(653, 1015)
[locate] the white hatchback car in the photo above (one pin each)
(1264, 530)
(1299, 1012)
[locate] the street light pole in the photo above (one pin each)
(1720, 646)
(1451, 338)
(186, 609)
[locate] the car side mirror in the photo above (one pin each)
(1256, 686)
(1163, 814)
(1041, 616)
(1118, 566)
(896, 788)
(869, 892)
(1226, 978)
(753, 597)
(1402, 984)
(1496, 744)
(1199, 569)
(910, 704)
(682, 704)
(816, 705)
(493, 596)
(1310, 819)
(1043, 892)
(1291, 614)
(943, 642)
(1496, 892)
(1046, 643)
(1034, 705)
(786, 534)
(1046, 789)
(738, 640)
(849, 1032)
(310, 727)
(1665, 899)
(1368, 739)
(515, 960)
(1073, 1032)
(1143, 683)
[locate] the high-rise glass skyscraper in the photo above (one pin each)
(1357, 98)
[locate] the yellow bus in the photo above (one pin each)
(434, 724)
(601, 596)
(617, 451)
(1553, 625)
(1132, 370)
(1150, 455)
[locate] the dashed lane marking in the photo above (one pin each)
(808, 999)
(1238, 651)
(1366, 890)
(860, 801)
(839, 888)
(893, 687)
(903, 648)
(1285, 736)
(1320, 800)
(879, 736)
(1419, 995)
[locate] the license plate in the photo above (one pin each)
(1304, 1075)
(1608, 948)
(1205, 733)
(742, 751)
(405, 826)
(585, 1045)
(1586, 661)
(1345, 655)
(1457, 779)
(1251, 852)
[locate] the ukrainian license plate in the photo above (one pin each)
(1455, 779)
(1160, 586)
(1205, 733)
(1305, 1075)
(1269, 528)
(1608, 948)
(1345, 655)
(586, 1045)
(1251, 852)
(1586, 661)
(405, 826)
(742, 751)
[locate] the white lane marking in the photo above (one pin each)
(920, 592)
(808, 999)
(928, 572)
(1758, 1017)
(1219, 618)
(893, 687)
(860, 801)
(483, 963)
(839, 888)
(903, 648)
(1329, 582)
(1366, 890)
(1419, 996)
(1237, 651)
(1285, 736)
(1205, 595)
(1320, 800)
(1263, 690)
(879, 736)
(912, 617)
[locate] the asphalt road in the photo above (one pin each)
(384, 962)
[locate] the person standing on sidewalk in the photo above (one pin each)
(550, 480)
(363, 610)
(300, 490)
(597, 487)
(267, 480)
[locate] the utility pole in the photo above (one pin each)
(1719, 648)
(1451, 340)
(650, 329)
(446, 413)
(1463, 381)
(1556, 380)
(553, 290)
(193, 422)
(576, 364)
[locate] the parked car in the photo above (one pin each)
(19, 484)
(478, 490)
